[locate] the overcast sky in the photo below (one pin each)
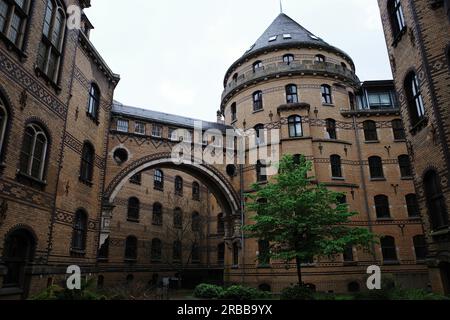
(172, 55)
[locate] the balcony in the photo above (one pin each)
(294, 68)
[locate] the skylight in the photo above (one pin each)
(271, 39)
(314, 37)
(287, 36)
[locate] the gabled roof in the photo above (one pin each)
(163, 118)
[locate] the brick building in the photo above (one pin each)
(418, 40)
(81, 175)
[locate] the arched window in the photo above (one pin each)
(195, 191)
(178, 185)
(295, 126)
(420, 247)
(382, 207)
(233, 112)
(94, 102)
(398, 130)
(133, 209)
(34, 152)
(87, 163)
(177, 218)
(437, 208)
(257, 101)
(131, 248)
(79, 231)
(320, 58)
(258, 65)
(51, 47)
(370, 130)
(396, 16)
(288, 58)
(3, 125)
(235, 254)
(156, 253)
(291, 93)
(157, 218)
(405, 166)
(331, 129)
(260, 172)
(388, 249)
(376, 168)
(412, 205)
(336, 166)
(158, 180)
(220, 224)
(177, 250)
(13, 20)
(195, 253)
(260, 134)
(196, 222)
(414, 98)
(343, 65)
(221, 253)
(263, 252)
(327, 97)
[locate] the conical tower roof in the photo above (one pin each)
(284, 32)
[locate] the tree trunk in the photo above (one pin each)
(299, 271)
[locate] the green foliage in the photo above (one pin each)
(58, 293)
(300, 218)
(243, 293)
(208, 291)
(298, 293)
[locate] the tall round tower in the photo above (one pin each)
(294, 81)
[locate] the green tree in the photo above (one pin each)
(302, 219)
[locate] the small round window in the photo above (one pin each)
(120, 156)
(231, 170)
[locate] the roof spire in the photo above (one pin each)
(281, 6)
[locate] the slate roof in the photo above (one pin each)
(274, 37)
(162, 117)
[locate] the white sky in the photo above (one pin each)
(172, 55)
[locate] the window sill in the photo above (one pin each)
(133, 220)
(86, 182)
(157, 224)
(444, 231)
(39, 73)
(400, 140)
(399, 37)
(102, 259)
(77, 252)
(372, 141)
(407, 178)
(136, 183)
(92, 118)
(129, 260)
(31, 180)
(328, 105)
(391, 263)
(158, 189)
(257, 111)
(377, 179)
(12, 47)
(338, 178)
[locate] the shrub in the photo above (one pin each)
(58, 293)
(208, 291)
(297, 293)
(243, 293)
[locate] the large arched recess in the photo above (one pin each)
(210, 176)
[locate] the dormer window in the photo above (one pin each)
(271, 39)
(287, 36)
(288, 58)
(258, 65)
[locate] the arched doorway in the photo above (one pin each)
(18, 253)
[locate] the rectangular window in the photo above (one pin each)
(13, 16)
(139, 128)
(122, 125)
(157, 131)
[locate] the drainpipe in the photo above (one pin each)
(363, 181)
(241, 182)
